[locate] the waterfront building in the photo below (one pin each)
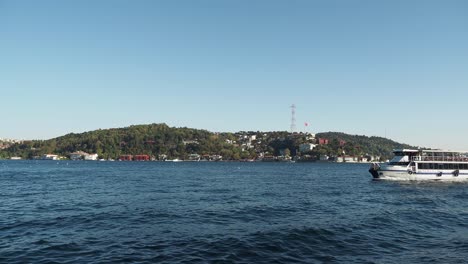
(91, 157)
(141, 158)
(194, 157)
(126, 158)
(49, 157)
(78, 155)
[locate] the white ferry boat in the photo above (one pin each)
(409, 164)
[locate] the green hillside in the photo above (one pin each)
(357, 144)
(158, 139)
(153, 139)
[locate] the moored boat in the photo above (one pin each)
(410, 164)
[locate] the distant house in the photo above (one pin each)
(194, 157)
(78, 155)
(346, 159)
(141, 158)
(323, 141)
(49, 157)
(306, 147)
(126, 158)
(91, 157)
(369, 158)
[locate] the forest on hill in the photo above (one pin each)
(359, 145)
(160, 139)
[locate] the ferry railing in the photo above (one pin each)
(434, 158)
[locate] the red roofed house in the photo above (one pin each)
(141, 158)
(126, 157)
(323, 141)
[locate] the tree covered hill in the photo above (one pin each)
(159, 139)
(153, 139)
(359, 145)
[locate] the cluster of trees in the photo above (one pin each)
(156, 139)
(359, 145)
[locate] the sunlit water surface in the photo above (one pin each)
(203, 212)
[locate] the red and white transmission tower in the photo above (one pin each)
(293, 118)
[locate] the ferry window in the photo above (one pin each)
(455, 166)
(420, 166)
(450, 166)
(446, 166)
(441, 166)
(431, 166)
(399, 163)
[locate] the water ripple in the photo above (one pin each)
(73, 212)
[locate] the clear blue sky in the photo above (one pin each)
(394, 68)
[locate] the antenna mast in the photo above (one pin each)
(293, 118)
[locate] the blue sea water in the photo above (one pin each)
(226, 212)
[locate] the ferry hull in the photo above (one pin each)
(419, 176)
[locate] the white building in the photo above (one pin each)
(306, 147)
(49, 157)
(91, 157)
(78, 155)
(194, 157)
(346, 159)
